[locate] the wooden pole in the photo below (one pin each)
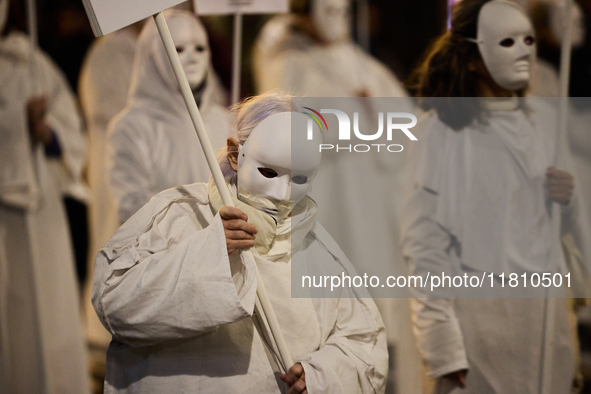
(265, 302)
(237, 58)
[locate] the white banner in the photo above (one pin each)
(106, 16)
(221, 7)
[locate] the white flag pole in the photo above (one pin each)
(265, 302)
(236, 58)
(562, 125)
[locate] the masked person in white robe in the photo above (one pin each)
(41, 342)
(177, 291)
(310, 52)
(152, 144)
(479, 196)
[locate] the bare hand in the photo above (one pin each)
(239, 233)
(561, 185)
(295, 379)
(458, 377)
(38, 127)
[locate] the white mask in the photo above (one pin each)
(3, 13)
(276, 164)
(557, 23)
(506, 41)
(332, 19)
(191, 44)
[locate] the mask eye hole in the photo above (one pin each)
(200, 48)
(267, 172)
(529, 40)
(507, 42)
(179, 49)
(300, 179)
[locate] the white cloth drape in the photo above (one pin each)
(476, 198)
(178, 307)
(152, 145)
(42, 347)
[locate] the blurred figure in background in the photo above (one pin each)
(478, 200)
(548, 18)
(103, 89)
(41, 340)
(310, 52)
(152, 144)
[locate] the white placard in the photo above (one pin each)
(106, 16)
(221, 7)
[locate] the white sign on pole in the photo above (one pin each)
(221, 7)
(106, 16)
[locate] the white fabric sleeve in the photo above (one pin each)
(64, 118)
(354, 357)
(173, 280)
(130, 168)
(426, 248)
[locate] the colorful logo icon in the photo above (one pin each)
(316, 115)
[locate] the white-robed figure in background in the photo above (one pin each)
(103, 87)
(310, 52)
(548, 20)
(480, 194)
(41, 339)
(152, 144)
(177, 292)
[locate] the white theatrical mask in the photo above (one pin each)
(506, 41)
(578, 31)
(332, 19)
(3, 13)
(190, 39)
(276, 164)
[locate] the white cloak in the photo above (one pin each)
(478, 191)
(41, 343)
(178, 307)
(152, 145)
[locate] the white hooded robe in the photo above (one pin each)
(179, 307)
(152, 145)
(477, 202)
(41, 339)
